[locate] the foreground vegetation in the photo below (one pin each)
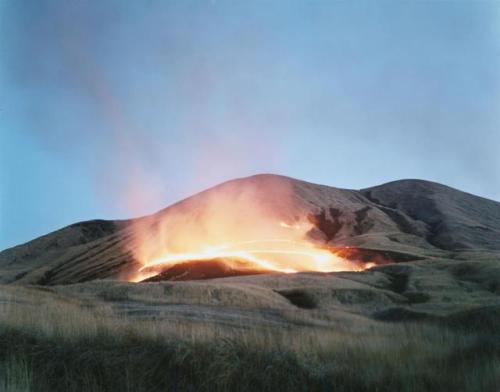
(49, 343)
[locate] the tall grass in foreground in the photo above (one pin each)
(53, 344)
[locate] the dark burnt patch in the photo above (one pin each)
(417, 297)
(299, 298)
(363, 224)
(201, 270)
(379, 257)
(399, 282)
(399, 276)
(327, 222)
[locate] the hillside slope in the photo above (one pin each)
(404, 220)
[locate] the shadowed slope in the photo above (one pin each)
(447, 218)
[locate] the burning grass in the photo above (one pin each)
(52, 343)
(241, 225)
(253, 257)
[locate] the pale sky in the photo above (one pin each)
(113, 109)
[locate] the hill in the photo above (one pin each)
(398, 221)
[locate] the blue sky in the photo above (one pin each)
(116, 109)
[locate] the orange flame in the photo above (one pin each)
(231, 223)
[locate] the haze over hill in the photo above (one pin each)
(398, 221)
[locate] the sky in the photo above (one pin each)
(114, 109)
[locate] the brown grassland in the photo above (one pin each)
(55, 342)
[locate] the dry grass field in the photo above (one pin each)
(306, 332)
